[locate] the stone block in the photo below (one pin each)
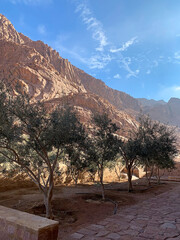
(17, 225)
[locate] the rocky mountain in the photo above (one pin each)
(47, 77)
(168, 113)
(150, 103)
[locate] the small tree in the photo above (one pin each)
(103, 145)
(117, 166)
(33, 139)
(129, 151)
(76, 161)
(158, 146)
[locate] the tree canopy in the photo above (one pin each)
(33, 139)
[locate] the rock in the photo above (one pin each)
(168, 225)
(47, 77)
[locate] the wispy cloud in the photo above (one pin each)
(148, 72)
(31, 2)
(177, 88)
(100, 57)
(93, 25)
(72, 52)
(125, 63)
(41, 29)
(133, 73)
(177, 55)
(117, 76)
(99, 61)
(125, 45)
(175, 58)
(96, 61)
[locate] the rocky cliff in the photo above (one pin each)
(48, 77)
(168, 113)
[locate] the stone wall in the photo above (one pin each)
(16, 225)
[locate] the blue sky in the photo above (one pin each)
(132, 45)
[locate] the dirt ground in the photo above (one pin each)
(77, 206)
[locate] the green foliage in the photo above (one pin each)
(103, 148)
(104, 139)
(33, 139)
(158, 144)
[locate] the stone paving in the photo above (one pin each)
(156, 218)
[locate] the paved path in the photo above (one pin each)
(156, 218)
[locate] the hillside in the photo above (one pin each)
(46, 76)
(168, 113)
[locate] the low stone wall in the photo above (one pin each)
(16, 225)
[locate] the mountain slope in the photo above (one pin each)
(168, 113)
(150, 103)
(48, 77)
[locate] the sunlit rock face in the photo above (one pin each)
(47, 77)
(34, 65)
(8, 32)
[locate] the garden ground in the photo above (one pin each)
(77, 207)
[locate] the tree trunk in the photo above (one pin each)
(102, 185)
(158, 176)
(130, 187)
(48, 199)
(118, 174)
(148, 178)
(48, 206)
(150, 175)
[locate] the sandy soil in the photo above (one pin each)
(77, 206)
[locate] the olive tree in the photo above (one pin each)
(151, 145)
(129, 150)
(76, 159)
(103, 147)
(33, 139)
(158, 146)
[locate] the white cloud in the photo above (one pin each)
(96, 61)
(125, 46)
(132, 73)
(177, 88)
(93, 25)
(177, 55)
(175, 58)
(117, 76)
(42, 29)
(99, 61)
(31, 2)
(148, 72)
(125, 63)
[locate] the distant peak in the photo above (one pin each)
(8, 32)
(174, 100)
(2, 17)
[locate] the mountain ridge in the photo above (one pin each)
(48, 77)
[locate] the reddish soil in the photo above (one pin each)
(77, 206)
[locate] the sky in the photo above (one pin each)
(131, 45)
